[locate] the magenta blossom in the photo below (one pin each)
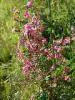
(33, 47)
(27, 14)
(49, 57)
(44, 41)
(46, 52)
(29, 4)
(57, 48)
(35, 21)
(57, 56)
(66, 41)
(28, 29)
(27, 67)
(67, 78)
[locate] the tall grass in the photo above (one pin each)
(12, 82)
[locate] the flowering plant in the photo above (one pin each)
(45, 60)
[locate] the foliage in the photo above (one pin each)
(48, 74)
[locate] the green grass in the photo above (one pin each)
(12, 82)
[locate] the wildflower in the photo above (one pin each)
(28, 29)
(27, 14)
(57, 55)
(67, 78)
(27, 67)
(20, 55)
(66, 41)
(46, 52)
(35, 21)
(29, 4)
(22, 40)
(44, 41)
(49, 57)
(33, 47)
(57, 48)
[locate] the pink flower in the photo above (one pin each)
(22, 40)
(29, 4)
(66, 41)
(57, 48)
(33, 47)
(44, 41)
(27, 67)
(57, 56)
(49, 56)
(66, 78)
(35, 21)
(27, 14)
(28, 29)
(20, 55)
(46, 52)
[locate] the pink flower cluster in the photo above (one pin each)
(32, 39)
(32, 27)
(34, 42)
(53, 53)
(63, 41)
(27, 66)
(57, 48)
(27, 14)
